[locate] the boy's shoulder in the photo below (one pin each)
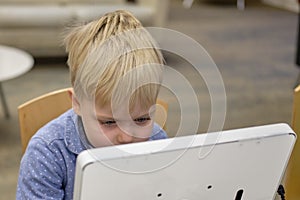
(56, 128)
(158, 133)
(61, 131)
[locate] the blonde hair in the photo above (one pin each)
(114, 57)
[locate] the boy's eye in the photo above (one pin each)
(142, 120)
(108, 123)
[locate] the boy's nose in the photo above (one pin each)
(124, 138)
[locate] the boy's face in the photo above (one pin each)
(104, 127)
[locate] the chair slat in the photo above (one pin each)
(37, 112)
(292, 180)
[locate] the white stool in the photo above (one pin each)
(13, 63)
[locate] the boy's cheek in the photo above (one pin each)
(100, 138)
(143, 133)
(94, 133)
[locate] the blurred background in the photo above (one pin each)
(252, 42)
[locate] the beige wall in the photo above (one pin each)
(291, 5)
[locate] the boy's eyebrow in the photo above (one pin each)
(103, 117)
(141, 116)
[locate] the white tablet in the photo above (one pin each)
(246, 163)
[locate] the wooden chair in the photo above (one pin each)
(292, 179)
(37, 112)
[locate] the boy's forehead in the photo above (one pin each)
(108, 111)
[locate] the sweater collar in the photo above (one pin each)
(75, 138)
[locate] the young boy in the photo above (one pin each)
(116, 74)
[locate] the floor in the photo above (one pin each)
(254, 51)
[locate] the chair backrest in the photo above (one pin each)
(37, 112)
(296, 111)
(292, 180)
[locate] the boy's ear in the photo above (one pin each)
(75, 102)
